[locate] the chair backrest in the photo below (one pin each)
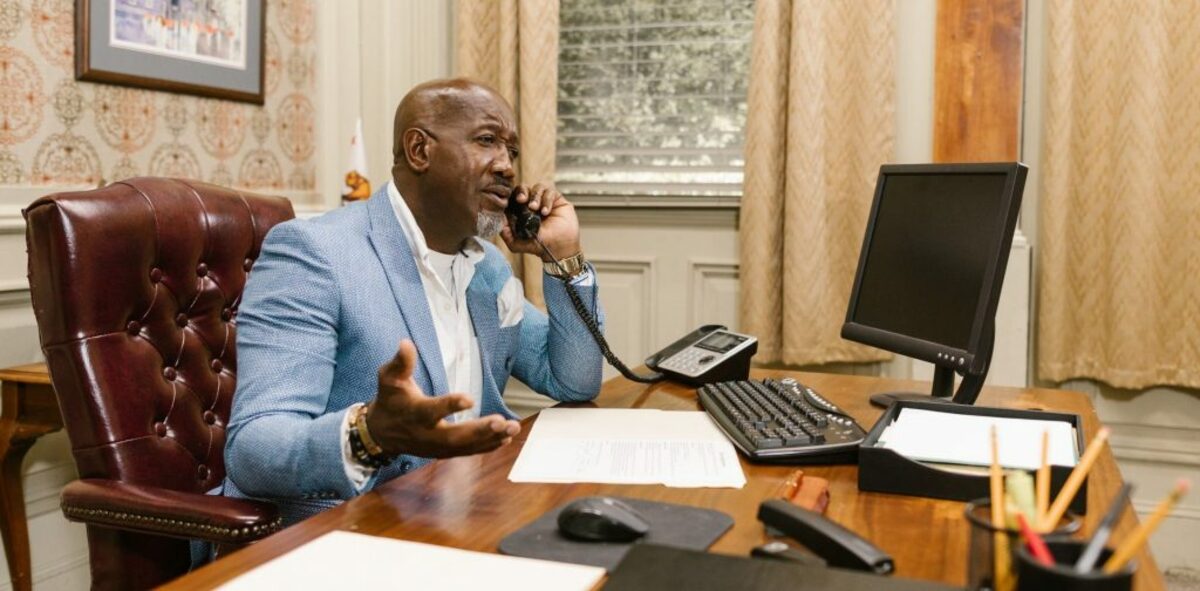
(136, 289)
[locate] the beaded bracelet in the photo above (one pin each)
(362, 446)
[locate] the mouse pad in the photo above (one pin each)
(679, 526)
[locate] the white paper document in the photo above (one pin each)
(628, 446)
(344, 560)
(951, 438)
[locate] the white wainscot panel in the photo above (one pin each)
(1156, 441)
(58, 547)
(1154, 458)
(713, 292)
(627, 290)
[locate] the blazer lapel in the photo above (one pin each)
(481, 302)
(391, 246)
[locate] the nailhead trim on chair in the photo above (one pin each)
(174, 526)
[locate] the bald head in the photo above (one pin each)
(438, 102)
(453, 159)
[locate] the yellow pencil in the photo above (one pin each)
(1050, 519)
(1135, 540)
(1000, 551)
(1043, 483)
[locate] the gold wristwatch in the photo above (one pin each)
(573, 265)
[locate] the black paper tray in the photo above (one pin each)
(884, 470)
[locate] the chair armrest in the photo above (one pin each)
(153, 510)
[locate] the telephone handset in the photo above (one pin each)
(525, 224)
(708, 354)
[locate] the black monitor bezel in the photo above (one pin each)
(939, 354)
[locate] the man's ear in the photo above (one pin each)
(416, 149)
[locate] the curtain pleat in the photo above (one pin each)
(820, 123)
(512, 46)
(1119, 221)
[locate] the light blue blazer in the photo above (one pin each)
(327, 303)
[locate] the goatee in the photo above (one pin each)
(488, 224)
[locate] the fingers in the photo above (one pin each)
(537, 195)
(400, 367)
(507, 428)
(479, 435)
(548, 200)
(428, 412)
(526, 195)
(539, 198)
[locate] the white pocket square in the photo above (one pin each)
(511, 303)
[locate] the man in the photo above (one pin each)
(326, 406)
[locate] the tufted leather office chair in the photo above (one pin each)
(136, 289)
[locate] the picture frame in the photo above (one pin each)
(212, 48)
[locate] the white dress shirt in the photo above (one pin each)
(445, 278)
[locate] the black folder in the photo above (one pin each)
(648, 567)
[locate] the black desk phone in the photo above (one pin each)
(710, 353)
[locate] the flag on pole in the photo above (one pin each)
(357, 186)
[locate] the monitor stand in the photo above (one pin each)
(943, 380)
(943, 390)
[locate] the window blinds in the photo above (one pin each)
(652, 96)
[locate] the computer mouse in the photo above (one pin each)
(601, 519)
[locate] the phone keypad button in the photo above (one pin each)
(691, 362)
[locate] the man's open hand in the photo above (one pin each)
(403, 420)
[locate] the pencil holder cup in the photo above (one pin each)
(1033, 575)
(981, 541)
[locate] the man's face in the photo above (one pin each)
(471, 165)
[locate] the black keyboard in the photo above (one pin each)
(782, 421)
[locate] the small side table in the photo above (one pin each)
(28, 410)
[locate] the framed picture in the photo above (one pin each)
(206, 47)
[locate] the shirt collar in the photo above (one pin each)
(472, 250)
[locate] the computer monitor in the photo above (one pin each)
(931, 267)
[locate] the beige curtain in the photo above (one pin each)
(820, 122)
(1119, 226)
(512, 45)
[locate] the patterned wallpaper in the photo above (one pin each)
(55, 131)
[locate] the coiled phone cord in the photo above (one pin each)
(593, 327)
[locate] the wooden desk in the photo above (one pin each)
(28, 410)
(469, 502)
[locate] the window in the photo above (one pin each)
(652, 96)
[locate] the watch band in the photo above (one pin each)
(572, 266)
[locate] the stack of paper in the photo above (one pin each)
(344, 560)
(628, 446)
(952, 438)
